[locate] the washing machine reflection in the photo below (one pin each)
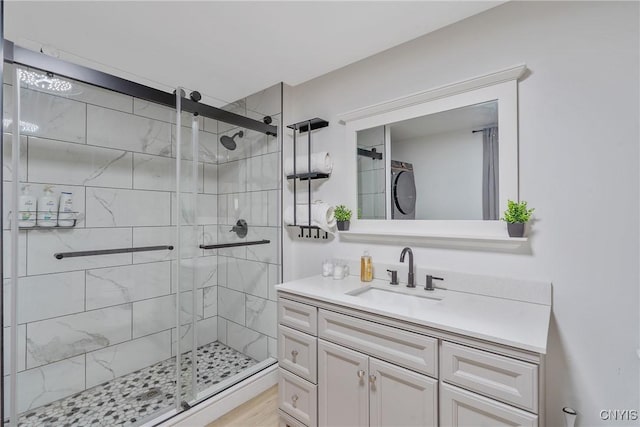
(403, 191)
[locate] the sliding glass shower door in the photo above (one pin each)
(141, 244)
(89, 248)
(229, 210)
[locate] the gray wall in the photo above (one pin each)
(578, 135)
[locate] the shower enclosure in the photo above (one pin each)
(155, 291)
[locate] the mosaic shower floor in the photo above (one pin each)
(127, 400)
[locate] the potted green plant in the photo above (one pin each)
(343, 216)
(516, 215)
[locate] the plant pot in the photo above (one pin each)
(343, 225)
(515, 229)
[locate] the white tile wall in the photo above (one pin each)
(108, 207)
(39, 386)
(261, 315)
(56, 117)
(21, 349)
(46, 296)
(158, 314)
(22, 253)
(232, 177)
(115, 361)
(250, 277)
(210, 301)
(120, 285)
(114, 129)
(44, 243)
(247, 341)
(63, 337)
(263, 172)
(7, 149)
(231, 305)
(78, 164)
(201, 270)
(264, 253)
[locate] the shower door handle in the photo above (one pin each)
(233, 245)
(61, 255)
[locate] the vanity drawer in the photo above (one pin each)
(286, 420)
(408, 349)
(297, 352)
(462, 408)
(502, 378)
(298, 398)
(298, 316)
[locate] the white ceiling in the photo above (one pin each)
(225, 50)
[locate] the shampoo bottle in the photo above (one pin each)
(27, 208)
(366, 268)
(47, 208)
(65, 214)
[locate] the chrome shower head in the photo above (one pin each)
(229, 141)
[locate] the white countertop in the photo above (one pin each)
(517, 324)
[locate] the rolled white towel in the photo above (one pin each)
(320, 162)
(321, 215)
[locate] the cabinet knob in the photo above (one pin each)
(360, 374)
(294, 354)
(372, 380)
(294, 400)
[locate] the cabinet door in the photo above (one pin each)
(460, 408)
(399, 397)
(343, 398)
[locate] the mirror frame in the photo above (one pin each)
(501, 86)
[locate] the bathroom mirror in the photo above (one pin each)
(461, 179)
(442, 166)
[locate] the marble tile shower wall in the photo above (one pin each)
(84, 321)
(249, 187)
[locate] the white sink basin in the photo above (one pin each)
(387, 296)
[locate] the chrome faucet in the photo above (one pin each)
(410, 279)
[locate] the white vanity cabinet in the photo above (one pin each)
(370, 370)
(358, 390)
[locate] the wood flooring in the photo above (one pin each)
(261, 411)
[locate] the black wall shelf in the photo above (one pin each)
(303, 126)
(306, 126)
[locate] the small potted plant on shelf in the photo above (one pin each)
(343, 216)
(516, 215)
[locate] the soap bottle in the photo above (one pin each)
(65, 214)
(27, 208)
(47, 208)
(366, 267)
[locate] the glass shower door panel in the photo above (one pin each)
(189, 235)
(239, 203)
(95, 306)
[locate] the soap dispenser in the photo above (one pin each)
(366, 268)
(47, 208)
(27, 208)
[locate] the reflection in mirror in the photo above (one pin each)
(442, 166)
(371, 173)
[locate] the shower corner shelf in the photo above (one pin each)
(55, 227)
(306, 126)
